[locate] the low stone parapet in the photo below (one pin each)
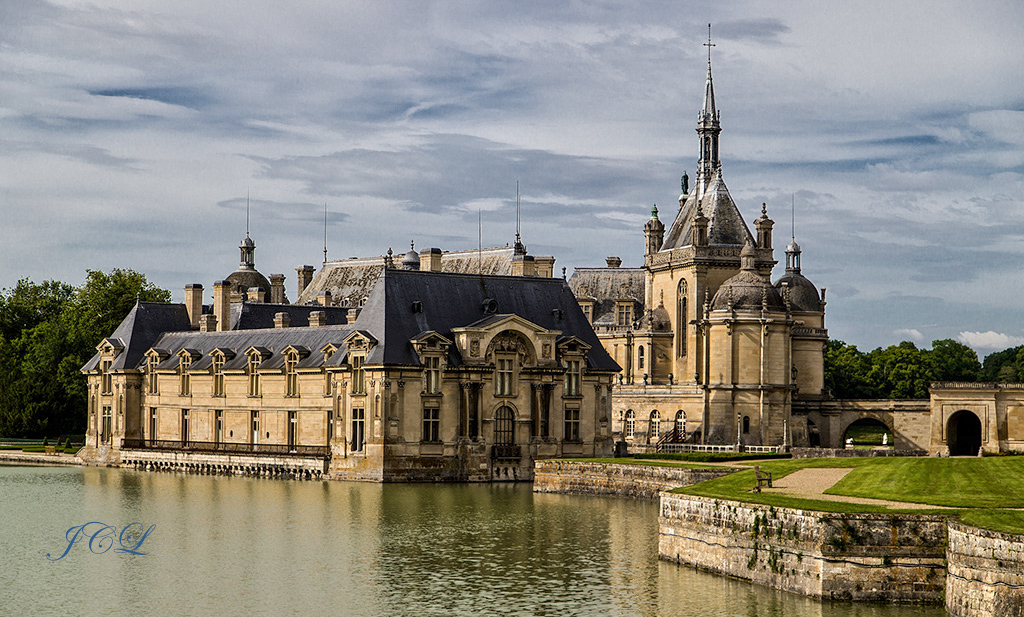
(33, 458)
(240, 464)
(986, 572)
(620, 479)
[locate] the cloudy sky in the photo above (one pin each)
(130, 134)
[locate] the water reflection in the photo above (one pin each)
(244, 546)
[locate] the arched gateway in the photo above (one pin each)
(963, 433)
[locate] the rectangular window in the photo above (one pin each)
(254, 422)
(328, 383)
(572, 378)
(108, 386)
(624, 314)
(218, 426)
(218, 376)
(293, 430)
(358, 375)
(431, 424)
(291, 377)
(432, 372)
(358, 422)
(105, 432)
(505, 373)
(572, 424)
(184, 426)
(152, 424)
(588, 311)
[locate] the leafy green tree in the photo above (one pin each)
(954, 361)
(846, 371)
(47, 332)
(1002, 365)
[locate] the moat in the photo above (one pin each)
(242, 546)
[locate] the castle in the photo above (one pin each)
(471, 365)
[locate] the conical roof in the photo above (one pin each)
(725, 223)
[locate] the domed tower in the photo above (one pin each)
(411, 261)
(654, 232)
(809, 334)
(247, 277)
(748, 357)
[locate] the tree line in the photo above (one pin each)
(904, 372)
(48, 331)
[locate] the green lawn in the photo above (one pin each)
(982, 489)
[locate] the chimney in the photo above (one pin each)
(194, 303)
(305, 277)
(613, 262)
(324, 299)
(523, 265)
(318, 319)
(352, 315)
(208, 323)
(277, 289)
(255, 294)
(222, 304)
(281, 320)
(430, 260)
(544, 266)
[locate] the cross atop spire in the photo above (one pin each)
(709, 44)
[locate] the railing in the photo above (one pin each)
(506, 451)
(210, 447)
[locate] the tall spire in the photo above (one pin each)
(708, 128)
(519, 249)
(247, 247)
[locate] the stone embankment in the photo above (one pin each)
(624, 480)
(826, 555)
(986, 572)
(852, 452)
(34, 458)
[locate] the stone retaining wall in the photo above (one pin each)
(986, 573)
(624, 480)
(832, 556)
(238, 464)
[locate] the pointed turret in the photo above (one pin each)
(708, 128)
(654, 230)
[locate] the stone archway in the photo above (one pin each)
(963, 433)
(868, 432)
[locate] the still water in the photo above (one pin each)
(247, 546)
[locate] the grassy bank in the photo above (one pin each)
(983, 491)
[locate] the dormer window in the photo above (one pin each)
(432, 374)
(106, 377)
(573, 376)
(252, 370)
(328, 351)
(624, 313)
(184, 382)
(290, 375)
(588, 309)
(218, 375)
(358, 375)
(154, 384)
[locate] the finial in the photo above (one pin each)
(654, 212)
(412, 245)
(247, 212)
(325, 232)
(764, 209)
(389, 261)
(563, 273)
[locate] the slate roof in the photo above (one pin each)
(725, 224)
(606, 286)
(140, 329)
(455, 300)
(255, 315)
(445, 301)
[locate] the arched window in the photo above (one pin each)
(630, 424)
(504, 426)
(681, 318)
(680, 424)
(746, 424)
(654, 429)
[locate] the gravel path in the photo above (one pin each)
(812, 482)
